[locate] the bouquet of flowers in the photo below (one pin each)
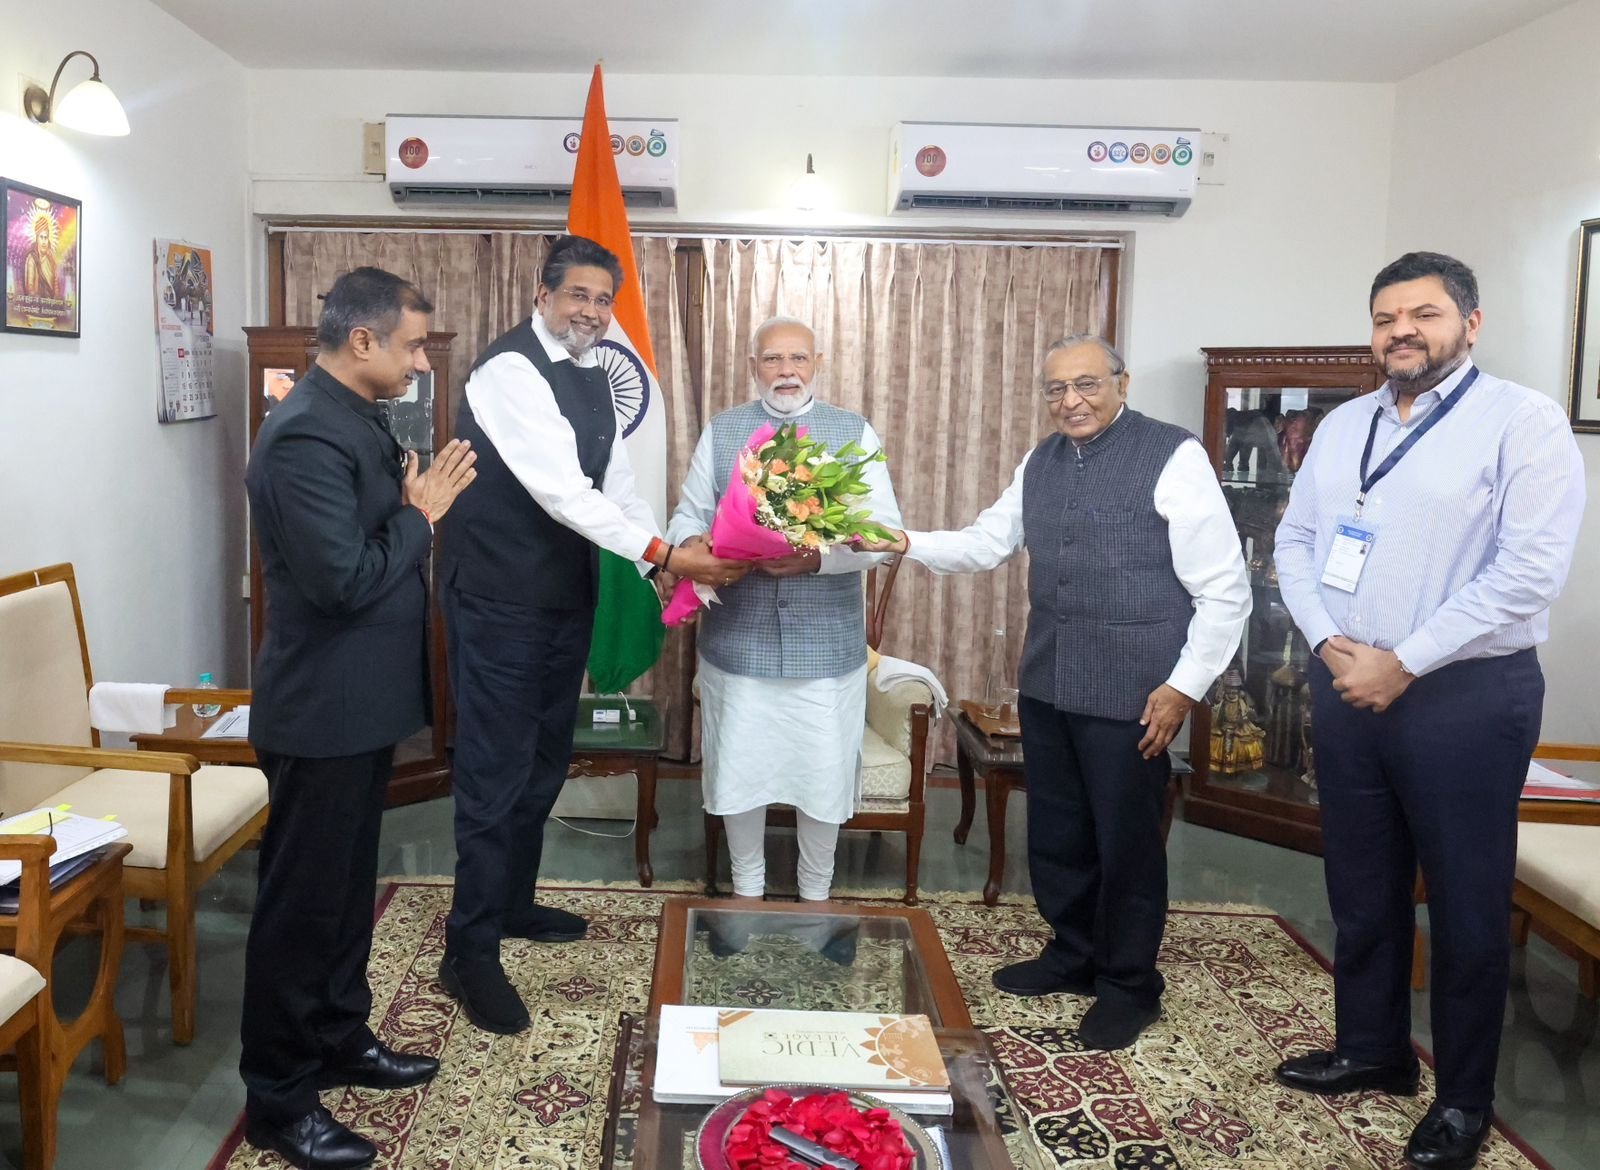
(786, 492)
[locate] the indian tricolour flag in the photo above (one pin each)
(627, 627)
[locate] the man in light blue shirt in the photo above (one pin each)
(1428, 531)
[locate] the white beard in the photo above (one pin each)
(784, 403)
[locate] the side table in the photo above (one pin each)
(607, 749)
(998, 759)
(187, 738)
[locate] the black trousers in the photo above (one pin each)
(1095, 854)
(1435, 779)
(516, 672)
(306, 998)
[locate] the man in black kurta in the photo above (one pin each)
(345, 525)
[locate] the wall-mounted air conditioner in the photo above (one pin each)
(463, 159)
(964, 166)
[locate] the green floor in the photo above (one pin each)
(177, 1104)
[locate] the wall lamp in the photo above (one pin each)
(89, 106)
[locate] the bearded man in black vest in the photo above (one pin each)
(1137, 596)
(520, 575)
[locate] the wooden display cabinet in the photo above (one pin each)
(280, 357)
(1250, 749)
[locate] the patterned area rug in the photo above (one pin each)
(1196, 1092)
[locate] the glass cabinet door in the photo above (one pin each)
(1250, 744)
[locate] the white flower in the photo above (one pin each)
(777, 484)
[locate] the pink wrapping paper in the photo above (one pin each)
(736, 535)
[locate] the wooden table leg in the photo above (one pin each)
(997, 790)
(968, 796)
(644, 817)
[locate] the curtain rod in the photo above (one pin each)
(1108, 243)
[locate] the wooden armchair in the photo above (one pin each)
(183, 820)
(893, 755)
(21, 1025)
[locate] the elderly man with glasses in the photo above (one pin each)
(1138, 596)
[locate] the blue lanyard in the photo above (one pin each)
(1399, 453)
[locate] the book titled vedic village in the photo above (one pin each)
(848, 1050)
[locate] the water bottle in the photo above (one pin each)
(999, 680)
(207, 710)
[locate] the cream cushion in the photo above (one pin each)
(885, 773)
(1559, 861)
(889, 712)
(19, 983)
(224, 798)
(44, 697)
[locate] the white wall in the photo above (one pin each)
(1280, 256)
(1496, 160)
(151, 515)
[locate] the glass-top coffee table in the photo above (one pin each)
(807, 957)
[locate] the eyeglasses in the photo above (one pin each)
(1085, 387)
(578, 297)
(771, 361)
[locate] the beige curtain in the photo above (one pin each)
(939, 346)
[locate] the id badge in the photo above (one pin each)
(1352, 544)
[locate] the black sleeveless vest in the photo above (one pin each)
(496, 542)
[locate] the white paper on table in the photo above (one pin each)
(234, 724)
(1549, 778)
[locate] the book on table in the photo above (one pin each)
(689, 1062)
(853, 1050)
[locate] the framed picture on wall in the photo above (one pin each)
(1583, 395)
(43, 234)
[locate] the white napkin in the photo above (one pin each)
(132, 708)
(897, 670)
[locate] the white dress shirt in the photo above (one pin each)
(1475, 525)
(1204, 543)
(517, 410)
(697, 503)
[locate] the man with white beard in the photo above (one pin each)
(783, 657)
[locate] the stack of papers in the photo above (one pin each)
(75, 836)
(1547, 784)
(687, 1066)
(234, 724)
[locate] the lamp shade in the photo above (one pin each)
(91, 107)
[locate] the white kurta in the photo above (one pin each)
(794, 741)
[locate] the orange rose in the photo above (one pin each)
(803, 473)
(798, 510)
(814, 505)
(777, 467)
(811, 540)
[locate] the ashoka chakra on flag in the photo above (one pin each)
(630, 385)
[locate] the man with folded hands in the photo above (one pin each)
(345, 527)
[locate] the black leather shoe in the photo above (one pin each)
(379, 1067)
(313, 1142)
(1037, 977)
(1113, 1024)
(547, 924)
(1330, 1074)
(485, 994)
(1448, 1139)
